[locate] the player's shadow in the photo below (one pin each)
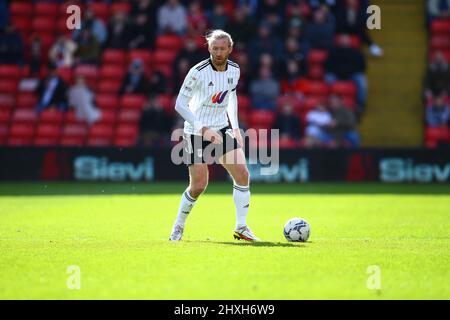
(257, 244)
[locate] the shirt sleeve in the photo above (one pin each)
(190, 83)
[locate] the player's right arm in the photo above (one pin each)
(190, 84)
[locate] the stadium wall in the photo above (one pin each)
(296, 166)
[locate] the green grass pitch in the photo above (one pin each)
(117, 235)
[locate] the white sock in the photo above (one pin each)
(186, 204)
(241, 197)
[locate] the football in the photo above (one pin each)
(296, 230)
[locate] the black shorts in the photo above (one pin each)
(199, 150)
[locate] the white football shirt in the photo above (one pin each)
(209, 91)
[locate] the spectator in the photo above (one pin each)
(118, 31)
(180, 72)
(439, 9)
(4, 14)
(218, 19)
(343, 127)
(438, 114)
(141, 35)
(197, 21)
(62, 52)
(264, 91)
(51, 91)
(272, 12)
(82, 99)
(347, 63)
(157, 83)
(292, 73)
(146, 10)
(190, 52)
(35, 56)
(438, 76)
(11, 45)
(242, 27)
(318, 121)
(288, 123)
(88, 48)
(351, 19)
(95, 26)
(135, 80)
(172, 18)
(265, 42)
(319, 34)
(154, 125)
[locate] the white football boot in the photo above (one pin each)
(245, 233)
(177, 233)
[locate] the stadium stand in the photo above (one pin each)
(304, 88)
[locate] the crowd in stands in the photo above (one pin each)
(437, 79)
(113, 82)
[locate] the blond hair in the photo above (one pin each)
(218, 34)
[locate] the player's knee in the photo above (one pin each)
(243, 176)
(198, 187)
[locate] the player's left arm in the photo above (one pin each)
(232, 111)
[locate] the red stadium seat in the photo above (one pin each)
(19, 141)
(90, 72)
(10, 72)
(8, 86)
(4, 131)
(440, 26)
(25, 115)
(124, 142)
(132, 101)
(107, 101)
(244, 103)
(99, 142)
(6, 102)
(75, 130)
(22, 24)
(169, 42)
(108, 117)
(142, 54)
(48, 130)
(114, 56)
(311, 87)
(100, 9)
(121, 6)
(435, 135)
(164, 56)
(344, 88)
(112, 71)
(293, 100)
(51, 116)
(66, 74)
(21, 130)
(101, 131)
(129, 116)
(45, 141)
(316, 72)
(166, 101)
(46, 8)
(127, 131)
(42, 24)
(317, 57)
(5, 116)
(439, 42)
(261, 119)
(355, 41)
(311, 103)
(72, 141)
(21, 8)
(27, 100)
(61, 26)
(109, 86)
